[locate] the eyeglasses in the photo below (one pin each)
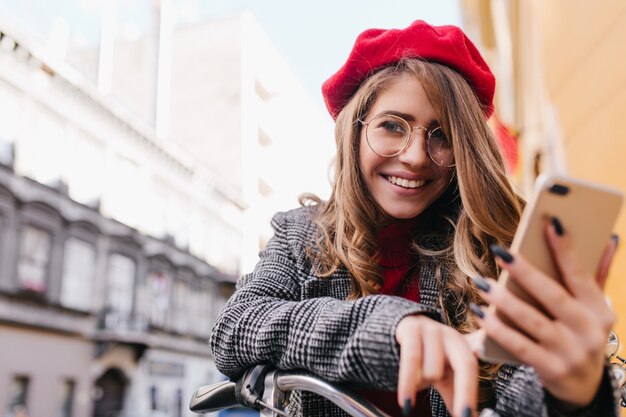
(389, 135)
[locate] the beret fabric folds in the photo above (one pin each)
(378, 48)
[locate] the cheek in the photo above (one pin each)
(447, 174)
(368, 160)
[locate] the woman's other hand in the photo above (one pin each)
(435, 354)
(566, 346)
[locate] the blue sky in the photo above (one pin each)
(315, 37)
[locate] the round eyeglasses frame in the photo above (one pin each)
(409, 129)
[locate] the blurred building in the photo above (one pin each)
(562, 88)
(264, 135)
(117, 249)
(220, 89)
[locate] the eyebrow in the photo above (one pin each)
(407, 117)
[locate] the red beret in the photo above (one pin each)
(378, 48)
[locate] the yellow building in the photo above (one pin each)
(561, 73)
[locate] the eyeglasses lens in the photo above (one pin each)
(388, 135)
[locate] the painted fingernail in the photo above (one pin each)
(615, 238)
(558, 227)
(467, 412)
(481, 283)
(477, 311)
(502, 253)
(406, 410)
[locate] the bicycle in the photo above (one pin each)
(267, 390)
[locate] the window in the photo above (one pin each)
(79, 267)
(263, 93)
(18, 396)
(120, 285)
(264, 189)
(264, 138)
(34, 259)
(201, 316)
(179, 403)
(67, 398)
(154, 404)
(195, 309)
(181, 318)
(159, 284)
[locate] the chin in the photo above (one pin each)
(403, 214)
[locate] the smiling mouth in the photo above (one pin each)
(404, 183)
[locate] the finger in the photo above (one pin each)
(535, 285)
(576, 278)
(605, 262)
(572, 271)
(551, 334)
(520, 346)
(587, 290)
(465, 372)
(522, 315)
(410, 371)
(433, 356)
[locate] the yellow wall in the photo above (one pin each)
(584, 61)
(569, 54)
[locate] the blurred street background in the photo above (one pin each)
(145, 145)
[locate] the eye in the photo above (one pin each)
(391, 126)
(437, 135)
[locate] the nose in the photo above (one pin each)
(416, 153)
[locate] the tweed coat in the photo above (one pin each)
(283, 314)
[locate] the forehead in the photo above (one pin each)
(405, 94)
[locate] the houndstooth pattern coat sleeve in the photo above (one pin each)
(283, 314)
(277, 316)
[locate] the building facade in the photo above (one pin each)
(224, 92)
(117, 249)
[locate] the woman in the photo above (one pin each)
(372, 288)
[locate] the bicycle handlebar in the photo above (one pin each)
(268, 391)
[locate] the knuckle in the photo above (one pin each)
(469, 364)
(522, 351)
(537, 323)
(609, 319)
(577, 359)
(433, 374)
(409, 355)
(560, 296)
(597, 342)
(558, 369)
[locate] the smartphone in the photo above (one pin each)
(588, 211)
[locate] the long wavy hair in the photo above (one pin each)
(480, 207)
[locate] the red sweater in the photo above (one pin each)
(395, 260)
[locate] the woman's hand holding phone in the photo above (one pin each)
(564, 342)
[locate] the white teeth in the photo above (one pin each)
(403, 182)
